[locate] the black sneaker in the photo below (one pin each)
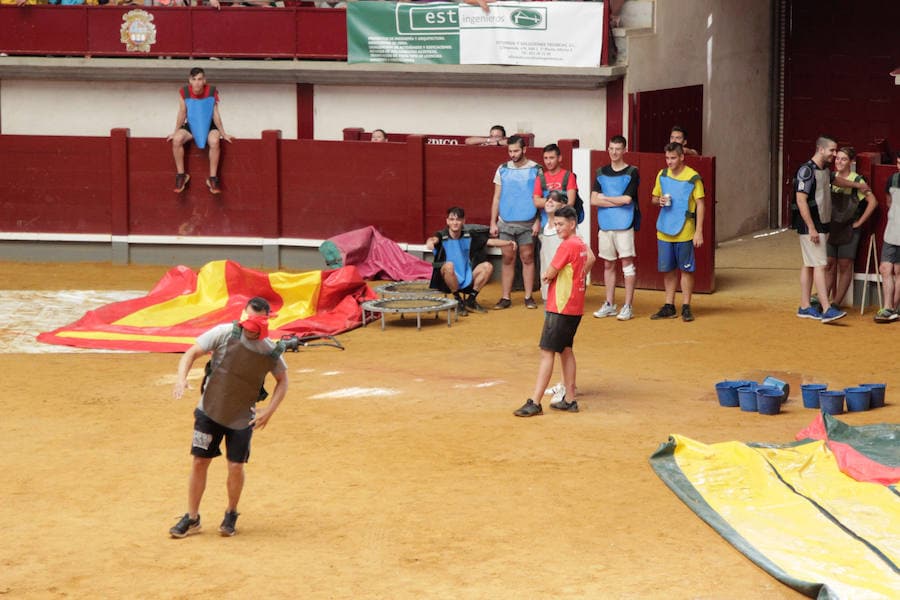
(530, 303)
(185, 527)
(227, 526)
(529, 409)
(666, 312)
(213, 184)
(686, 315)
(461, 308)
(503, 303)
(181, 181)
(565, 406)
(472, 304)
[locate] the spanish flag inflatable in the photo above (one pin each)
(184, 304)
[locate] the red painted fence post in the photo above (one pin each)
(118, 194)
(415, 148)
(270, 196)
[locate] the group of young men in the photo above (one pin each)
(830, 208)
(532, 202)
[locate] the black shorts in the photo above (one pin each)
(559, 331)
(208, 437)
(437, 281)
(187, 127)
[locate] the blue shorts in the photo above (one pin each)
(675, 255)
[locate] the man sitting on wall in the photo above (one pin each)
(198, 119)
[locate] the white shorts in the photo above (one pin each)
(814, 255)
(615, 244)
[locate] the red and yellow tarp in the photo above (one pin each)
(184, 304)
(793, 511)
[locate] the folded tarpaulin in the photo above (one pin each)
(378, 257)
(184, 304)
(792, 511)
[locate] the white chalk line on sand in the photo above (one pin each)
(356, 392)
(26, 313)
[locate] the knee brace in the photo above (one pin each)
(629, 271)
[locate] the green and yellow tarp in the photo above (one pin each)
(792, 510)
(184, 304)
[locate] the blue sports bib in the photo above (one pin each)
(671, 218)
(200, 116)
(614, 218)
(457, 252)
(517, 194)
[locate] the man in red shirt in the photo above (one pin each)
(567, 279)
(198, 119)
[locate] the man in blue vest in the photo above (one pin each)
(615, 194)
(199, 120)
(461, 266)
(680, 196)
(515, 218)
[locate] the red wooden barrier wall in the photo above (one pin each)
(306, 33)
(275, 188)
(649, 165)
(359, 134)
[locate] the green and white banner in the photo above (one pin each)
(562, 34)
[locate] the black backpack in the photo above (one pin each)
(579, 203)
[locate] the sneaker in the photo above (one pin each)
(565, 406)
(686, 315)
(886, 315)
(557, 392)
(227, 526)
(461, 308)
(530, 303)
(213, 184)
(185, 527)
(503, 303)
(666, 312)
(832, 314)
(625, 314)
(529, 409)
(181, 181)
(607, 310)
(472, 304)
(809, 313)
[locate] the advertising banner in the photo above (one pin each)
(564, 34)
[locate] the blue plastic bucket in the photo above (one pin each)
(769, 399)
(781, 385)
(810, 393)
(747, 398)
(832, 401)
(877, 394)
(727, 393)
(857, 398)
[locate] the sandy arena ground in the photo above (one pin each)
(395, 468)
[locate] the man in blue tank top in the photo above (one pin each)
(199, 120)
(514, 217)
(461, 266)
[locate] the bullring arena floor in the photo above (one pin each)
(395, 469)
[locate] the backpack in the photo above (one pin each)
(579, 203)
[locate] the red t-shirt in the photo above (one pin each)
(201, 95)
(566, 293)
(554, 182)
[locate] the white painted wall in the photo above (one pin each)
(35, 107)
(553, 115)
(725, 46)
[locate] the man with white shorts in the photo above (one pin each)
(615, 193)
(811, 218)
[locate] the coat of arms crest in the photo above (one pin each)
(138, 32)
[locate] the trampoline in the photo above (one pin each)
(404, 305)
(419, 288)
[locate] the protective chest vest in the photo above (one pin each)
(616, 218)
(892, 231)
(672, 217)
(234, 384)
(457, 252)
(199, 114)
(516, 193)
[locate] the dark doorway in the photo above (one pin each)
(653, 114)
